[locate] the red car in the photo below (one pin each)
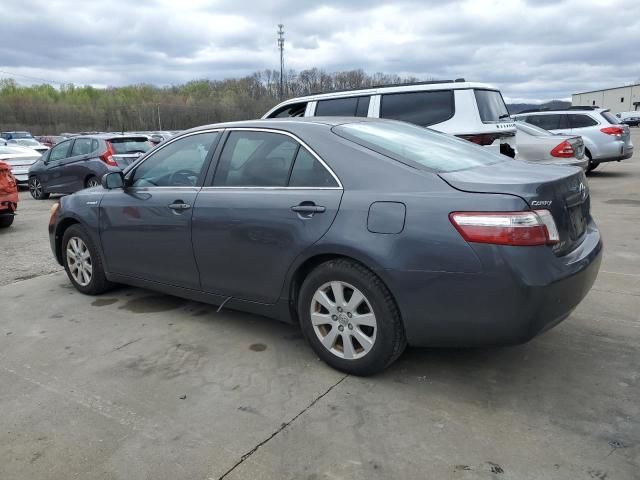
(8, 195)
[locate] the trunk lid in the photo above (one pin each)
(561, 190)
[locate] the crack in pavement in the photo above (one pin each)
(282, 427)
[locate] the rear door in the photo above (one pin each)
(270, 199)
(145, 228)
(74, 168)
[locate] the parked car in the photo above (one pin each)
(31, 143)
(19, 160)
(605, 139)
(631, 121)
(473, 111)
(8, 196)
(15, 135)
(50, 140)
(370, 233)
(79, 162)
(538, 145)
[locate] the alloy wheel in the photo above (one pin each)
(343, 320)
(79, 261)
(92, 182)
(35, 188)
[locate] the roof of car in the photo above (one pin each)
(291, 122)
(459, 84)
(111, 136)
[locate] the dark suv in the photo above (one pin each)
(80, 162)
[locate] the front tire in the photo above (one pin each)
(350, 318)
(36, 189)
(82, 262)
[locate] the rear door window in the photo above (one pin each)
(420, 108)
(81, 146)
(256, 159)
(309, 172)
(549, 122)
(577, 120)
(343, 107)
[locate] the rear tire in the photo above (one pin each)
(350, 318)
(36, 189)
(6, 221)
(82, 262)
(592, 165)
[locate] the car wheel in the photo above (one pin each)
(6, 221)
(592, 165)
(350, 318)
(36, 189)
(92, 182)
(82, 262)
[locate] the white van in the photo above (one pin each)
(473, 111)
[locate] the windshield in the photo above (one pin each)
(417, 145)
(130, 145)
(532, 129)
(491, 105)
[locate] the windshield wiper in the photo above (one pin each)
(504, 115)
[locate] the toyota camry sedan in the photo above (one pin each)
(370, 234)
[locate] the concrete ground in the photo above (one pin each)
(136, 385)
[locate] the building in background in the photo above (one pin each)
(618, 99)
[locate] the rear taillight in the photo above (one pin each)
(483, 139)
(615, 131)
(54, 213)
(535, 227)
(564, 150)
(107, 156)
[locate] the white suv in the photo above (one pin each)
(605, 139)
(473, 111)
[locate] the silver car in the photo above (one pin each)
(538, 145)
(19, 159)
(605, 138)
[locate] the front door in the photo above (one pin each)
(52, 178)
(270, 199)
(145, 228)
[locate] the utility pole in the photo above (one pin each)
(159, 122)
(281, 47)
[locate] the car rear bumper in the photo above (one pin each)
(625, 153)
(521, 292)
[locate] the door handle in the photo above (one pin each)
(308, 208)
(179, 205)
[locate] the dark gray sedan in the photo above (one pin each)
(370, 234)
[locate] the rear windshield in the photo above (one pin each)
(491, 105)
(610, 118)
(28, 141)
(122, 146)
(413, 145)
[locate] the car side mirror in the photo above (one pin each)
(113, 180)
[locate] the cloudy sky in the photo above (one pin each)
(532, 49)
